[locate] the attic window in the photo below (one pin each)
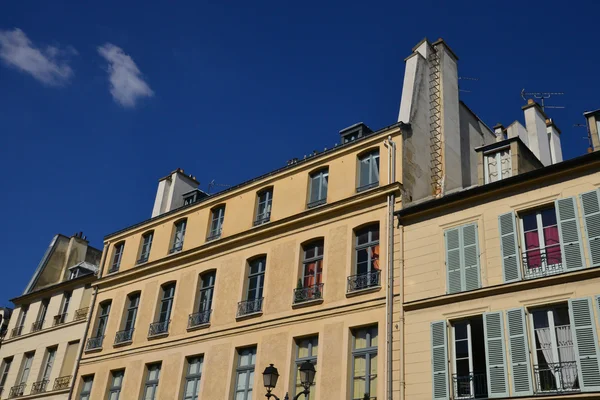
(190, 199)
(77, 272)
(497, 165)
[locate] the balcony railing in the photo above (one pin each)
(249, 307)
(94, 343)
(113, 269)
(308, 293)
(16, 331)
(262, 219)
(60, 319)
(81, 313)
(556, 377)
(124, 336)
(17, 390)
(62, 382)
(199, 318)
(470, 386)
(37, 326)
(176, 248)
(39, 386)
(159, 328)
(363, 281)
(543, 262)
(143, 259)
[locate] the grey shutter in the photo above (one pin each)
(570, 237)
(509, 248)
(453, 260)
(585, 340)
(495, 354)
(470, 257)
(439, 360)
(520, 366)
(590, 204)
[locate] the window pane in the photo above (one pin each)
(315, 347)
(548, 217)
(324, 185)
(315, 183)
(460, 331)
(189, 389)
(360, 339)
(364, 171)
(242, 380)
(375, 170)
(529, 222)
(462, 348)
(374, 334)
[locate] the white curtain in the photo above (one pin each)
(545, 338)
(567, 356)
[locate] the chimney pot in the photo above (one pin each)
(530, 101)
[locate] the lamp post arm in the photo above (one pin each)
(305, 392)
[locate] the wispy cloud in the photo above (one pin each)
(126, 83)
(48, 65)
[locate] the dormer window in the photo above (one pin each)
(497, 165)
(193, 196)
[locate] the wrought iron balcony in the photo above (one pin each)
(199, 318)
(249, 307)
(316, 203)
(125, 336)
(556, 377)
(470, 386)
(62, 382)
(113, 268)
(17, 390)
(176, 248)
(37, 326)
(60, 319)
(81, 314)
(39, 386)
(213, 236)
(262, 219)
(94, 343)
(538, 263)
(143, 259)
(308, 293)
(159, 328)
(363, 281)
(16, 331)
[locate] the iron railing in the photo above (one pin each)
(199, 318)
(262, 219)
(124, 336)
(37, 326)
(94, 343)
(158, 328)
(60, 319)
(470, 386)
(16, 331)
(363, 281)
(62, 382)
(81, 313)
(537, 263)
(367, 186)
(176, 248)
(17, 390)
(316, 203)
(308, 293)
(39, 386)
(113, 268)
(556, 377)
(249, 307)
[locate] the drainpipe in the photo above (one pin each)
(87, 324)
(400, 326)
(389, 297)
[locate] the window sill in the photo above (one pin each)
(316, 204)
(213, 238)
(122, 344)
(94, 350)
(158, 335)
(198, 327)
(248, 316)
(307, 303)
(371, 289)
(367, 187)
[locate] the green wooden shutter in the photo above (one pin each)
(518, 345)
(585, 340)
(509, 247)
(570, 237)
(470, 255)
(495, 354)
(439, 360)
(590, 204)
(453, 260)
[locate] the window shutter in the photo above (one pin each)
(439, 360)
(509, 248)
(495, 354)
(519, 353)
(590, 204)
(585, 340)
(570, 237)
(453, 260)
(470, 253)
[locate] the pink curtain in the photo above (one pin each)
(534, 257)
(553, 254)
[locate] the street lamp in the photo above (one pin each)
(307, 377)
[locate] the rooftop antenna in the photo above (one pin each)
(589, 135)
(466, 78)
(541, 96)
(212, 184)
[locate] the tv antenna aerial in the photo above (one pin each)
(465, 78)
(541, 96)
(212, 184)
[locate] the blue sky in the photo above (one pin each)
(231, 91)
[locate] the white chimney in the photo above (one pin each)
(535, 121)
(171, 188)
(517, 130)
(554, 138)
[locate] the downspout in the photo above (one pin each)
(400, 325)
(87, 324)
(389, 297)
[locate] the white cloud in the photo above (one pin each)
(126, 83)
(48, 65)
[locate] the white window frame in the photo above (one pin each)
(470, 346)
(541, 238)
(496, 154)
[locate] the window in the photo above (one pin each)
(318, 187)
(216, 223)
(48, 363)
(497, 165)
(164, 311)
(462, 258)
(126, 335)
(306, 350)
(179, 235)
(368, 171)
(245, 373)
(6, 363)
(151, 386)
(86, 387)
(207, 288)
(366, 259)
(74, 273)
(61, 318)
(26, 367)
(39, 324)
(192, 378)
(96, 341)
(256, 282)
(114, 391)
(18, 329)
(539, 235)
(146, 247)
(310, 286)
(117, 255)
(468, 359)
(364, 363)
(263, 207)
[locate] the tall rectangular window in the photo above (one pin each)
(146, 247)
(4, 370)
(539, 235)
(126, 335)
(207, 288)
(368, 171)
(306, 350)
(216, 222)
(48, 363)
(310, 286)
(164, 312)
(39, 324)
(263, 206)
(497, 165)
(192, 378)
(151, 386)
(318, 187)
(469, 364)
(178, 236)
(61, 318)
(26, 367)
(102, 319)
(364, 363)
(117, 255)
(245, 373)
(86, 387)
(114, 390)
(256, 278)
(366, 259)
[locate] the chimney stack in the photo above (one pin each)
(171, 188)
(535, 121)
(554, 138)
(499, 132)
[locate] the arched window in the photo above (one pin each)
(146, 247)
(178, 235)
(368, 170)
(254, 287)
(366, 259)
(310, 283)
(126, 335)
(216, 222)
(165, 306)
(264, 201)
(117, 255)
(317, 187)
